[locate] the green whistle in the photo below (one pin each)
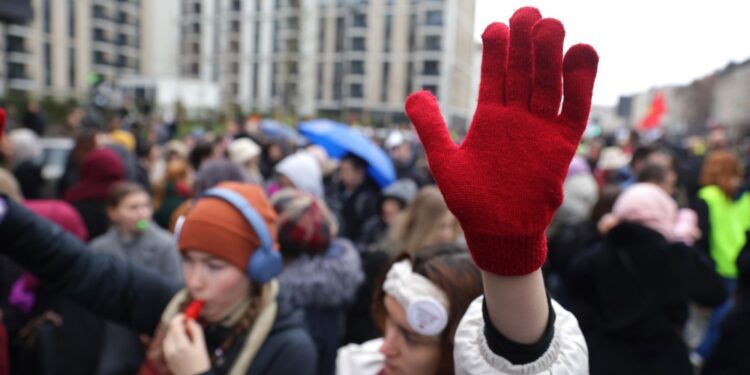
(142, 225)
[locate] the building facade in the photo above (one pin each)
(355, 60)
(57, 51)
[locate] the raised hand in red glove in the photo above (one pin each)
(504, 182)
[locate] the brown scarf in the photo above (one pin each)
(155, 363)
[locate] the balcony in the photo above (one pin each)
(129, 29)
(129, 51)
(20, 57)
(18, 30)
(129, 7)
(104, 69)
(104, 24)
(104, 47)
(22, 84)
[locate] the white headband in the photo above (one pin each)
(426, 305)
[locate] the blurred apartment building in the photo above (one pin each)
(355, 60)
(53, 47)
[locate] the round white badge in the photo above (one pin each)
(427, 316)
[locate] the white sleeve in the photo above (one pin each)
(566, 355)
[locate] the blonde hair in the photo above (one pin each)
(416, 225)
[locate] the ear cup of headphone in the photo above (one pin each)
(264, 266)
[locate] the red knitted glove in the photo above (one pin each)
(504, 182)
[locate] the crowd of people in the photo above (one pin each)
(307, 265)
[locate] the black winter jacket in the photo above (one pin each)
(135, 297)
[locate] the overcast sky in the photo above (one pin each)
(643, 43)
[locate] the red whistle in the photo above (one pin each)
(194, 309)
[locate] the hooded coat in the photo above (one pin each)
(101, 170)
(631, 294)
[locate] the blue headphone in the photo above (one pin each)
(265, 263)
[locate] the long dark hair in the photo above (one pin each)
(451, 269)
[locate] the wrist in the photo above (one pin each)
(508, 255)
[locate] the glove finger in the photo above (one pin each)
(494, 62)
(579, 73)
(518, 89)
(422, 108)
(547, 37)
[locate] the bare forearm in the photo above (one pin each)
(517, 305)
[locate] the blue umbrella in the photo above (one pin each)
(339, 139)
(277, 131)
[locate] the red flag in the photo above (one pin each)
(2, 123)
(652, 120)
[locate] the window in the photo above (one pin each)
(339, 34)
(358, 67)
(47, 15)
(195, 69)
(122, 39)
(431, 88)
(431, 68)
(358, 43)
(237, 5)
(409, 75)
(196, 48)
(99, 35)
(319, 86)
(338, 71)
(432, 43)
(292, 23)
(384, 82)
(256, 36)
(255, 80)
(122, 61)
(435, 18)
(47, 64)
(360, 20)
(234, 46)
(100, 58)
(99, 12)
(122, 17)
(16, 71)
(321, 34)
(234, 68)
(412, 31)
(387, 37)
(15, 44)
(274, 72)
(197, 27)
(196, 7)
(71, 18)
(72, 67)
(355, 90)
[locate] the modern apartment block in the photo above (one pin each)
(66, 41)
(352, 59)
